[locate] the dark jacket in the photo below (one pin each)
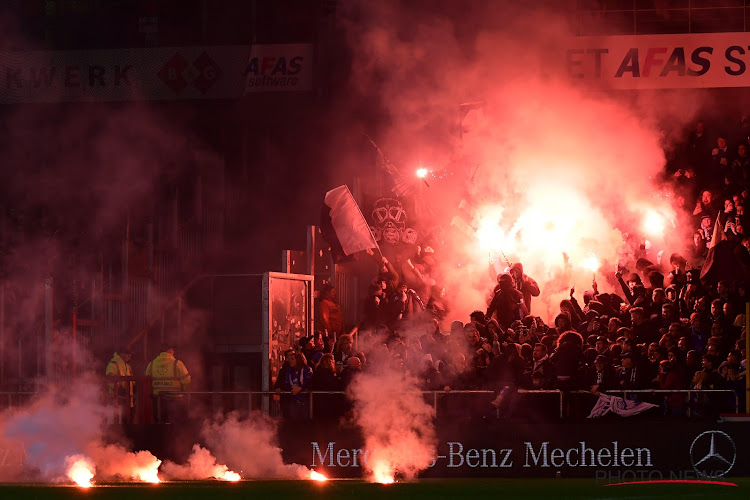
(568, 360)
(507, 306)
(325, 380)
(605, 379)
(634, 378)
(547, 371)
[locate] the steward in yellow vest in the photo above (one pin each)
(168, 375)
(121, 393)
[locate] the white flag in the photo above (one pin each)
(619, 406)
(601, 407)
(347, 220)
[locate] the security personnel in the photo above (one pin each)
(121, 393)
(168, 375)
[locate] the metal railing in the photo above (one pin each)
(437, 396)
(255, 398)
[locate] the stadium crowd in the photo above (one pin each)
(668, 329)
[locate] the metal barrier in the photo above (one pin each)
(435, 396)
(255, 399)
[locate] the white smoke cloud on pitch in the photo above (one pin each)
(200, 465)
(62, 424)
(249, 447)
(397, 423)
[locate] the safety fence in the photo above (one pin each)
(321, 404)
(445, 403)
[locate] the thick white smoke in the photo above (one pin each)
(63, 427)
(397, 423)
(55, 426)
(200, 465)
(250, 447)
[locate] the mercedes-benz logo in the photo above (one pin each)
(713, 453)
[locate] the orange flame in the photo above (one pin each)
(81, 472)
(317, 476)
(149, 475)
(147, 472)
(382, 473)
(230, 476)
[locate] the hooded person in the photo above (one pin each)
(507, 304)
(524, 284)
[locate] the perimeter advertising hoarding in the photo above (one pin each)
(164, 73)
(612, 451)
(660, 61)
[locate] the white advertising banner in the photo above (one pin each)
(661, 61)
(274, 68)
(164, 73)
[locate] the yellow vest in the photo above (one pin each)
(168, 374)
(119, 368)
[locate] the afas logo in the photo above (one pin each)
(274, 66)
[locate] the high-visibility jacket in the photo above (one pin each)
(168, 374)
(119, 368)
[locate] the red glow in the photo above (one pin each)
(654, 223)
(317, 476)
(81, 472)
(591, 263)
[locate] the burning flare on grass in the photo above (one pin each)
(382, 473)
(114, 462)
(229, 476)
(81, 471)
(396, 421)
(201, 465)
(317, 476)
(148, 474)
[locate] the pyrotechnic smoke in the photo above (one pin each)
(200, 465)
(116, 463)
(551, 173)
(62, 426)
(396, 422)
(56, 426)
(250, 447)
(80, 470)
